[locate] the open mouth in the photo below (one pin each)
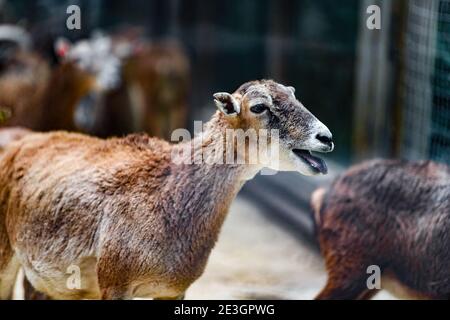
(316, 164)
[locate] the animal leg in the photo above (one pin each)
(9, 267)
(347, 273)
(30, 293)
(180, 297)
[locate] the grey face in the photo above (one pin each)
(269, 105)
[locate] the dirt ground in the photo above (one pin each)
(255, 258)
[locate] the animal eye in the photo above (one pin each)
(259, 108)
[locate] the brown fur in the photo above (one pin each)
(133, 221)
(392, 214)
(157, 78)
(8, 135)
(40, 97)
(152, 96)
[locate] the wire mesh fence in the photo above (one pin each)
(426, 84)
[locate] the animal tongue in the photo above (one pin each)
(315, 162)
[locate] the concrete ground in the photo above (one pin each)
(257, 259)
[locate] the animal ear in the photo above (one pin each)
(62, 47)
(226, 103)
(292, 89)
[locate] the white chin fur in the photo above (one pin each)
(290, 162)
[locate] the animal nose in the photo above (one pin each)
(326, 139)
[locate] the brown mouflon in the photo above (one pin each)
(122, 212)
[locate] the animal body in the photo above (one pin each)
(390, 214)
(126, 217)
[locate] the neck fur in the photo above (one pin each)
(209, 188)
(209, 149)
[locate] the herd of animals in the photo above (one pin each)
(78, 188)
(104, 86)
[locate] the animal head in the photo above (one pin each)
(100, 63)
(96, 56)
(269, 105)
(13, 40)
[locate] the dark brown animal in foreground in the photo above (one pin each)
(390, 214)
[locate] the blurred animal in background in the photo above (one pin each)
(35, 94)
(391, 214)
(158, 82)
(139, 86)
(12, 37)
(23, 80)
(102, 85)
(105, 99)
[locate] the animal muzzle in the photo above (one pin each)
(321, 138)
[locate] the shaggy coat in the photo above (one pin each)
(392, 214)
(87, 208)
(125, 218)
